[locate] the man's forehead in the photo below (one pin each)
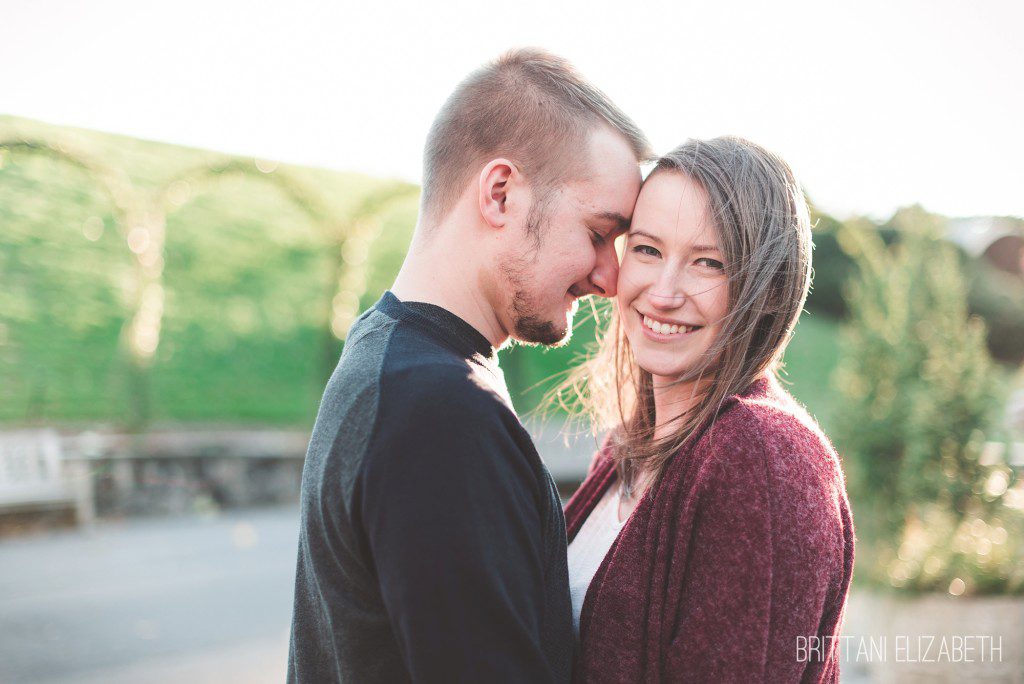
(613, 210)
(607, 159)
(608, 199)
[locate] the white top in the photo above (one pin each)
(589, 548)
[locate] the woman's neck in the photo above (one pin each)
(672, 402)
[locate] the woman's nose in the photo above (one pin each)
(665, 300)
(666, 292)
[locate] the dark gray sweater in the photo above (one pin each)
(432, 544)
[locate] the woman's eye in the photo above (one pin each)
(711, 263)
(647, 250)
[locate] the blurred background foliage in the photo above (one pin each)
(904, 355)
(938, 506)
(250, 276)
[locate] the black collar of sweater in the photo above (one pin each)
(441, 323)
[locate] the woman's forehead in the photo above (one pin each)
(672, 205)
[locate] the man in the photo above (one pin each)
(432, 541)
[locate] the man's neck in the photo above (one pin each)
(452, 286)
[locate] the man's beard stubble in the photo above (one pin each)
(527, 324)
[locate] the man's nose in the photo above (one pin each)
(604, 278)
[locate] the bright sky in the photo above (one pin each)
(875, 104)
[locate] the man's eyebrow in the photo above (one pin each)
(621, 222)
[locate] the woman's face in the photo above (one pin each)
(673, 292)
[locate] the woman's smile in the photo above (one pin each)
(664, 330)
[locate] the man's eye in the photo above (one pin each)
(597, 238)
(711, 263)
(647, 250)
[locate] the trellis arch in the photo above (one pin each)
(357, 233)
(145, 332)
(348, 236)
(115, 184)
(298, 192)
(130, 209)
(141, 220)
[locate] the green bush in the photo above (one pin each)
(833, 267)
(936, 507)
(995, 295)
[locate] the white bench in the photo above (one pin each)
(31, 472)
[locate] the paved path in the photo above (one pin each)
(173, 600)
(196, 600)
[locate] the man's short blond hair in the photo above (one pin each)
(528, 106)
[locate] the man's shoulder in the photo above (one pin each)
(399, 342)
(439, 418)
(440, 387)
(379, 346)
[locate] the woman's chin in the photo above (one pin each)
(661, 368)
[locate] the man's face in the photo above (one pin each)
(567, 249)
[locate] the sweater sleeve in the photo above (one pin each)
(722, 628)
(449, 507)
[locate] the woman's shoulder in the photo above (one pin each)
(765, 414)
(765, 426)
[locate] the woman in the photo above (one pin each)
(712, 539)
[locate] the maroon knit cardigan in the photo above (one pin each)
(744, 544)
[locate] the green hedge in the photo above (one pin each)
(994, 295)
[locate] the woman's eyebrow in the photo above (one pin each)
(655, 238)
(640, 233)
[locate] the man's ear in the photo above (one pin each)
(493, 192)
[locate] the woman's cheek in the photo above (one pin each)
(625, 284)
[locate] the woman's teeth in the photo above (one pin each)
(665, 328)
